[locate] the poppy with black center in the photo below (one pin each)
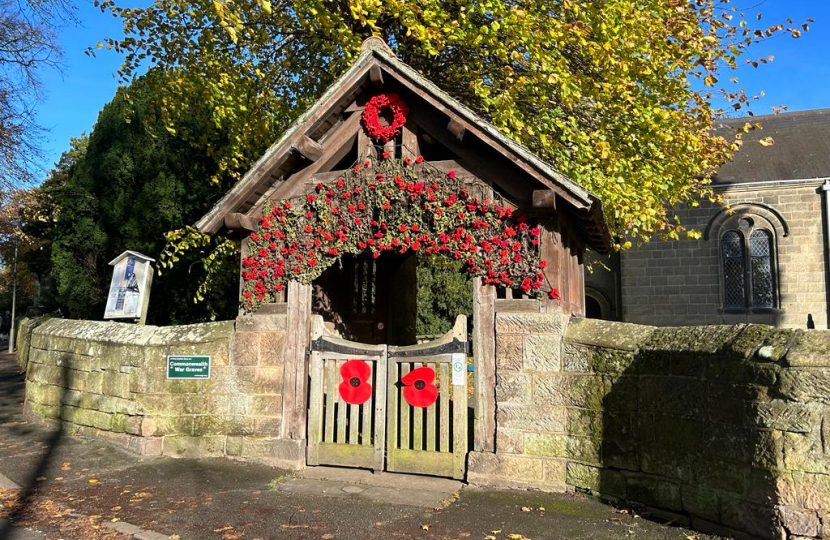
(355, 388)
(418, 388)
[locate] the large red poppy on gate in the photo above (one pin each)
(355, 388)
(418, 388)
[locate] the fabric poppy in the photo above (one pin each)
(355, 388)
(418, 388)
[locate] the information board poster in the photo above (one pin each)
(130, 285)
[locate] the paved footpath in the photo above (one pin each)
(73, 488)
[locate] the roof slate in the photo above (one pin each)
(801, 149)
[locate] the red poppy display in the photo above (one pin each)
(373, 110)
(418, 388)
(355, 388)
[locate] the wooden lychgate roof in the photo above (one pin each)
(329, 134)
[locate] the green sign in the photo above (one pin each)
(188, 367)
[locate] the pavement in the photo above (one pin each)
(55, 485)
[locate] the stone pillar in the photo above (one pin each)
(528, 362)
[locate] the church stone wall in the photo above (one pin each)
(677, 282)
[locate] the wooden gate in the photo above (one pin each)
(386, 432)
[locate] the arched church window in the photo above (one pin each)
(748, 266)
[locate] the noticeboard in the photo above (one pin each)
(130, 287)
(188, 367)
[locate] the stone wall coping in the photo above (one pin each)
(608, 334)
(693, 339)
(192, 333)
(811, 348)
(118, 333)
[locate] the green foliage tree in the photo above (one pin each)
(609, 91)
(444, 292)
(124, 188)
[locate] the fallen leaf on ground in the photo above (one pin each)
(93, 481)
(526, 509)
(425, 527)
(327, 536)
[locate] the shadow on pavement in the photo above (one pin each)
(12, 388)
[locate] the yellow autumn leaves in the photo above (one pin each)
(608, 92)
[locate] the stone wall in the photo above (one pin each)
(725, 428)
(672, 283)
(109, 379)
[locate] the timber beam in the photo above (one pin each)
(240, 222)
(544, 201)
(456, 128)
(376, 76)
(308, 148)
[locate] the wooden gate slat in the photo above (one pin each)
(366, 432)
(404, 410)
(331, 383)
(444, 421)
(354, 423)
(392, 405)
(418, 423)
(341, 413)
(430, 428)
(380, 410)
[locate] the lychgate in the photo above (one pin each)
(358, 389)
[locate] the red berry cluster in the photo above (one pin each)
(372, 113)
(397, 206)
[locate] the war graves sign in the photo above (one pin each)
(129, 294)
(188, 367)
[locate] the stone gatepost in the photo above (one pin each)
(259, 360)
(530, 412)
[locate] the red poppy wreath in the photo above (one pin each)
(418, 389)
(355, 388)
(372, 112)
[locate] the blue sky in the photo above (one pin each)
(798, 77)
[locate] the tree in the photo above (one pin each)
(444, 292)
(605, 90)
(124, 188)
(27, 44)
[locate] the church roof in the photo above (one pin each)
(801, 150)
(317, 127)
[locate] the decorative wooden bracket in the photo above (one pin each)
(309, 148)
(376, 76)
(241, 222)
(544, 202)
(456, 128)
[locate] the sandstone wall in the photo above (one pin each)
(725, 428)
(109, 379)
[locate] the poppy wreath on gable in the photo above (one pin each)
(418, 389)
(355, 388)
(375, 109)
